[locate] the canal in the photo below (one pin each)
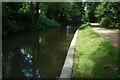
(36, 54)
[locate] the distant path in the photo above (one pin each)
(109, 35)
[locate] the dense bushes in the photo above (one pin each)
(36, 15)
(108, 14)
(105, 22)
(11, 27)
(108, 23)
(90, 11)
(44, 22)
(15, 26)
(66, 13)
(25, 17)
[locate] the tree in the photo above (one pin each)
(110, 10)
(90, 11)
(25, 15)
(67, 12)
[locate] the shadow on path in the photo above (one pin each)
(109, 35)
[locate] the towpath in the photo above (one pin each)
(110, 35)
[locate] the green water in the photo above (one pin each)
(36, 54)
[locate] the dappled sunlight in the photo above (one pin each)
(87, 71)
(102, 62)
(37, 36)
(110, 35)
(97, 63)
(84, 66)
(94, 56)
(102, 30)
(94, 23)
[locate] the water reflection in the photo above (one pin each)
(37, 54)
(27, 60)
(67, 29)
(28, 71)
(7, 64)
(40, 40)
(26, 67)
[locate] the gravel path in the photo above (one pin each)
(109, 35)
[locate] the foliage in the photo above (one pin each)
(99, 12)
(94, 57)
(111, 10)
(90, 11)
(45, 22)
(65, 13)
(24, 17)
(38, 15)
(77, 13)
(105, 22)
(84, 26)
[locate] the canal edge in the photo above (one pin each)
(67, 67)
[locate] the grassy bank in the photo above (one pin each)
(94, 56)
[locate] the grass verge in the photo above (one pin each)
(94, 57)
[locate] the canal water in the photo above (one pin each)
(36, 54)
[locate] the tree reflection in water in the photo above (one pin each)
(7, 64)
(36, 54)
(25, 65)
(28, 71)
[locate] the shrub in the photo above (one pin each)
(12, 26)
(45, 22)
(105, 22)
(15, 26)
(84, 26)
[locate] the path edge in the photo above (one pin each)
(67, 67)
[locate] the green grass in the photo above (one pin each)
(94, 57)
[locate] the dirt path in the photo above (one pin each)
(109, 35)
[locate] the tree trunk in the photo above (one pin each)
(37, 10)
(32, 13)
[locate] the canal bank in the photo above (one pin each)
(68, 64)
(94, 56)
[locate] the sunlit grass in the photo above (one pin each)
(94, 56)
